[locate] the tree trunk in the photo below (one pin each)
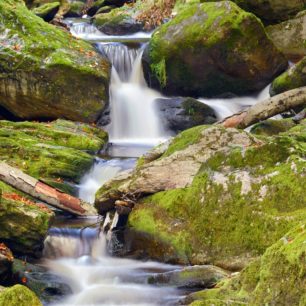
(267, 108)
(44, 192)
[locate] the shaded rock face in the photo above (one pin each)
(192, 192)
(290, 36)
(277, 278)
(48, 287)
(18, 295)
(211, 49)
(294, 77)
(45, 73)
(6, 261)
(179, 114)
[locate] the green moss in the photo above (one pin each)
(184, 139)
(18, 295)
(278, 278)
(160, 71)
(61, 67)
(272, 127)
(238, 204)
(45, 9)
(49, 151)
(295, 77)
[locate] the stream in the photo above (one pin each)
(80, 257)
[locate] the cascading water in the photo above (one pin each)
(98, 279)
(79, 254)
(134, 119)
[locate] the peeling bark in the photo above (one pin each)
(267, 108)
(44, 192)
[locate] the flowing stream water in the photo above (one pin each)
(79, 256)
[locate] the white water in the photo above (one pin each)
(98, 279)
(101, 172)
(134, 119)
(227, 107)
(86, 31)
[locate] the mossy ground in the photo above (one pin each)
(239, 203)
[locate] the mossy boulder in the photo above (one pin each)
(294, 77)
(45, 72)
(18, 295)
(53, 152)
(118, 21)
(210, 49)
(277, 278)
(271, 11)
(218, 196)
(290, 36)
(47, 11)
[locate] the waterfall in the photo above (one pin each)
(134, 119)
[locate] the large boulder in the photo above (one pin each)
(45, 73)
(294, 77)
(18, 295)
(217, 196)
(290, 36)
(210, 49)
(278, 278)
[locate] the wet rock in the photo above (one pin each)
(290, 36)
(48, 287)
(48, 72)
(179, 114)
(229, 59)
(18, 295)
(190, 277)
(294, 77)
(277, 278)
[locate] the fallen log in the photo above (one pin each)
(267, 109)
(41, 191)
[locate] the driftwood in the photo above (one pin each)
(41, 191)
(267, 108)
